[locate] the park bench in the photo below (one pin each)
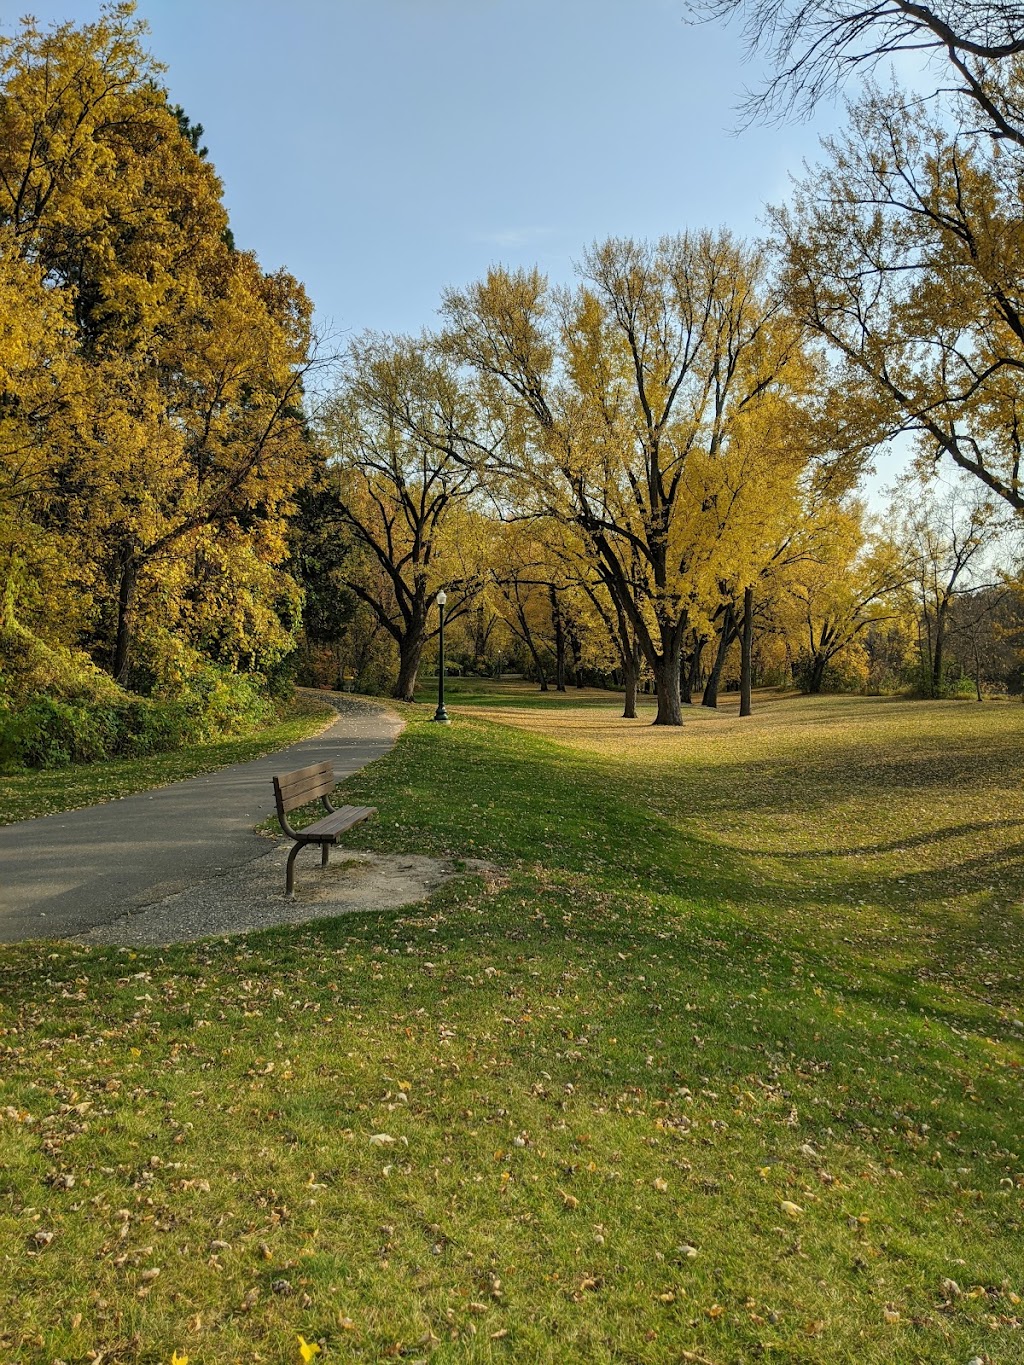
(316, 782)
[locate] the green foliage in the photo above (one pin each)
(30, 792)
(29, 666)
(218, 702)
(51, 731)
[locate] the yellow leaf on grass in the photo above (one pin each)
(308, 1349)
(790, 1209)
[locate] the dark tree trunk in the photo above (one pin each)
(526, 635)
(938, 654)
(576, 650)
(685, 691)
(746, 643)
(410, 652)
(726, 638)
(666, 675)
(631, 680)
(630, 656)
(817, 674)
(125, 604)
(559, 629)
(977, 668)
(929, 677)
(692, 676)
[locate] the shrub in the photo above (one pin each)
(50, 732)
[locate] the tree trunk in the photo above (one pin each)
(526, 635)
(576, 650)
(746, 641)
(977, 667)
(817, 674)
(938, 653)
(726, 638)
(928, 670)
(631, 679)
(666, 674)
(630, 656)
(409, 653)
(125, 603)
(689, 682)
(556, 621)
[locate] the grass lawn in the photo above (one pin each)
(30, 793)
(723, 1064)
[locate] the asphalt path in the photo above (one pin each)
(63, 874)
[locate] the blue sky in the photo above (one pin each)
(385, 149)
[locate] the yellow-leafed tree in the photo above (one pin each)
(155, 450)
(637, 411)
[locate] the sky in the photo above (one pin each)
(385, 150)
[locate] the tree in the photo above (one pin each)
(815, 46)
(845, 582)
(162, 448)
(405, 445)
(628, 400)
(318, 551)
(986, 635)
(905, 253)
(946, 533)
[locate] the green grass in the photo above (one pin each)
(30, 793)
(723, 1064)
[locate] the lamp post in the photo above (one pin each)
(441, 715)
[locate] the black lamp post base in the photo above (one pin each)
(441, 716)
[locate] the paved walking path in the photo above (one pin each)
(65, 874)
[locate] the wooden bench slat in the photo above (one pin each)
(292, 780)
(337, 822)
(307, 771)
(302, 796)
(304, 785)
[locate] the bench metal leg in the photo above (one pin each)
(289, 876)
(325, 854)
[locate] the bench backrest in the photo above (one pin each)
(302, 786)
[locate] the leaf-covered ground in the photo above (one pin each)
(725, 1065)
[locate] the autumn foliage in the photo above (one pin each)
(151, 380)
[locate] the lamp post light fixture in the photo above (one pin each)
(441, 715)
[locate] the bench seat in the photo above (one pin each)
(334, 824)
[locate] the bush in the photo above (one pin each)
(51, 732)
(29, 668)
(218, 703)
